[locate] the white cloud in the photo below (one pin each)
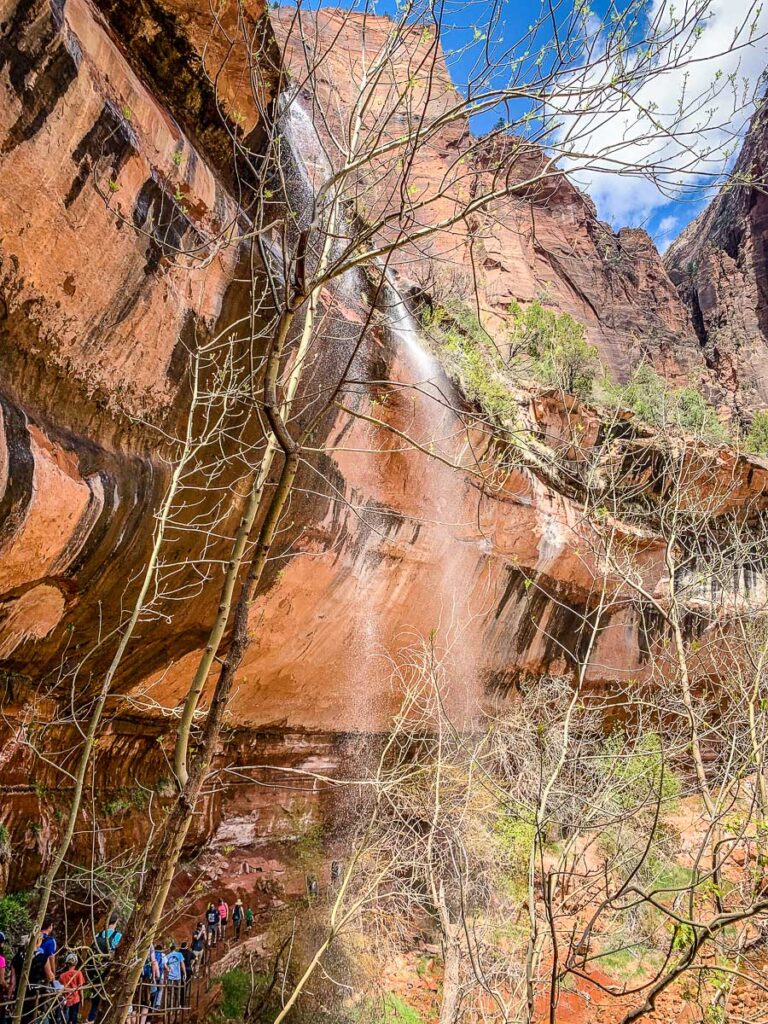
(667, 225)
(663, 151)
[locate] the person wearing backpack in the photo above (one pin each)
(248, 920)
(17, 964)
(147, 986)
(237, 918)
(102, 951)
(73, 981)
(39, 996)
(160, 963)
(198, 947)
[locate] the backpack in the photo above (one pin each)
(37, 967)
(106, 941)
(146, 971)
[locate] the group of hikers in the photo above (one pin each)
(217, 918)
(57, 992)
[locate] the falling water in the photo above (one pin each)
(435, 427)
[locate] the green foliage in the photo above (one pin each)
(624, 962)
(553, 347)
(671, 876)
(653, 401)
(15, 918)
(5, 837)
(309, 845)
(472, 360)
(235, 989)
(515, 834)
(539, 343)
(684, 936)
(390, 1010)
(756, 440)
(635, 772)
(125, 799)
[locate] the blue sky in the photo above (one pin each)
(727, 79)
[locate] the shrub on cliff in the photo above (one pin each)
(552, 348)
(539, 345)
(652, 400)
(15, 919)
(472, 360)
(756, 441)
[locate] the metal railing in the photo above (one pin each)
(161, 1002)
(166, 1002)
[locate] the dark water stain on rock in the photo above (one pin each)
(110, 141)
(39, 70)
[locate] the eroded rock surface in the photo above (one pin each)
(719, 267)
(119, 250)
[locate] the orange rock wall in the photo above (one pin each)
(116, 249)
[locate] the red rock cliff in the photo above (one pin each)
(719, 267)
(113, 156)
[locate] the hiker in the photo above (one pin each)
(312, 888)
(335, 873)
(148, 986)
(198, 947)
(159, 955)
(223, 909)
(212, 924)
(237, 918)
(248, 920)
(39, 997)
(176, 974)
(73, 980)
(17, 962)
(5, 986)
(102, 951)
(189, 960)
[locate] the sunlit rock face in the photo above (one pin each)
(544, 242)
(102, 129)
(719, 267)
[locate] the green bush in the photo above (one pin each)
(635, 772)
(553, 348)
(390, 1010)
(756, 440)
(15, 919)
(515, 833)
(539, 343)
(235, 989)
(472, 361)
(652, 400)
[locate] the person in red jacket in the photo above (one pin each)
(73, 981)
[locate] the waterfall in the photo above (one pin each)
(433, 425)
(315, 168)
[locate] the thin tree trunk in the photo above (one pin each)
(146, 916)
(46, 881)
(450, 1003)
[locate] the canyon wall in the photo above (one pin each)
(121, 248)
(719, 267)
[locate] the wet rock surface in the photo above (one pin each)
(100, 300)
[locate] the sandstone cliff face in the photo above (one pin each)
(719, 267)
(118, 251)
(544, 243)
